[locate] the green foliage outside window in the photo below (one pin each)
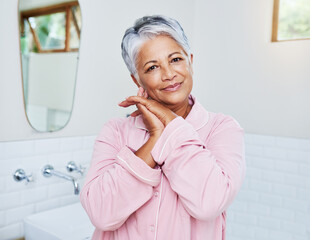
(294, 19)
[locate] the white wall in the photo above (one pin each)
(264, 85)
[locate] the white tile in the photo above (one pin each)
(304, 144)
(59, 160)
(298, 155)
(263, 163)
(10, 200)
(295, 228)
(287, 143)
(60, 189)
(304, 194)
(263, 140)
(238, 206)
(271, 199)
(304, 169)
(248, 195)
(9, 166)
(254, 150)
(284, 190)
(34, 195)
(18, 214)
(2, 218)
(296, 205)
(280, 235)
(245, 219)
(48, 204)
(286, 166)
(277, 153)
(82, 157)
(88, 142)
(70, 144)
(259, 209)
(12, 231)
(2, 150)
(13, 186)
(248, 138)
(261, 233)
(47, 146)
(2, 184)
(302, 217)
(260, 186)
(33, 163)
(16, 149)
(298, 181)
(69, 200)
(246, 232)
(268, 222)
(273, 176)
(282, 213)
(254, 173)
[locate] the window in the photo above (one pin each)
(291, 20)
(51, 29)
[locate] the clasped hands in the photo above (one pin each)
(155, 116)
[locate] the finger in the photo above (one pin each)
(127, 103)
(135, 113)
(145, 95)
(137, 99)
(140, 92)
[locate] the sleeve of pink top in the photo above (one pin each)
(206, 178)
(116, 174)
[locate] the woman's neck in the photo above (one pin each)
(182, 110)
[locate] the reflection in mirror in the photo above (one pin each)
(49, 39)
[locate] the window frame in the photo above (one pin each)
(275, 23)
(62, 7)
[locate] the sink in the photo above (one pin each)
(64, 223)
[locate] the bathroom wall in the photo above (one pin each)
(264, 85)
(238, 71)
(274, 201)
(17, 199)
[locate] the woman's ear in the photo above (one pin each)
(135, 80)
(191, 63)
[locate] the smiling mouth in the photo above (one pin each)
(173, 87)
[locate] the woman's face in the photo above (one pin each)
(165, 71)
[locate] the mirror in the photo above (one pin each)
(50, 33)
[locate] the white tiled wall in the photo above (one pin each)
(17, 199)
(273, 204)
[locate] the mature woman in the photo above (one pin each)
(171, 169)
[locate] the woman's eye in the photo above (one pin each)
(151, 68)
(176, 59)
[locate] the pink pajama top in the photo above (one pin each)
(200, 169)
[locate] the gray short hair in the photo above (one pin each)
(146, 28)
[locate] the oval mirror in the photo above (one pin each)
(49, 40)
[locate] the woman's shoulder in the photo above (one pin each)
(118, 124)
(220, 119)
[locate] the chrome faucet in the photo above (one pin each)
(71, 166)
(49, 171)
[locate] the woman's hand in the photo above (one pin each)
(150, 109)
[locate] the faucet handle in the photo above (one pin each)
(71, 166)
(20, 175)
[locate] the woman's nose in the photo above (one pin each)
(168, 73)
